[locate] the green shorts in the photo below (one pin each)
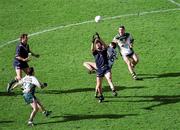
(28, 97)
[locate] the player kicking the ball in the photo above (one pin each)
(99, 51)
(125, 45)
(29, 83)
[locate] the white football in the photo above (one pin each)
(97, 18)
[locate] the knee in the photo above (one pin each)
(109, 79)
(18, 78)
(35, 109)
(128, 63)
(136, 59)
(98, 84)
(84, 63)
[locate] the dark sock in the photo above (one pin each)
(114, 90)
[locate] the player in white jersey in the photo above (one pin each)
(29, 83)
(112, 56)
(125, 45)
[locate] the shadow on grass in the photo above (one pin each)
(78, 90)
(160, 99)
(164, 75)
(10, 94)
(75, 90)
(67, 118)
(5, 122)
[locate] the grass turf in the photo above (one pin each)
(149, 104)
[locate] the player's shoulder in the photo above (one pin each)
(127, 34)
(26, 79)
(35, 81)
(19, 45)
(117, 36)
(33, 77)
(110, 48)
(95, 52)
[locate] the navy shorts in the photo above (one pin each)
(18, 65)
(102, 71)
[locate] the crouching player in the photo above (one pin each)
(29, 83)
(99, 51)
(112, 56)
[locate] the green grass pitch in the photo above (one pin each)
(150, 104)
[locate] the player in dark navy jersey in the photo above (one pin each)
(21, 60)
(99, 51)
(112, 56)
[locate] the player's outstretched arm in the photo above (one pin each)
(93, 47)
(43, 85)
(35, 55)
(102, 41)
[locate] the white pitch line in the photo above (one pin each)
(176, 3)
(91, 21)
(47, 30)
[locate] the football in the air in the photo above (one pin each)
(97, 19)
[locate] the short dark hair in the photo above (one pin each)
(23, 36)
(30, 71)
(113, 44)
(122, 26)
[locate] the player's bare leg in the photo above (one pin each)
(109, 80)
(42, 109)
(130, 67)
(15, 80)
(91, 66)
(135, 59)
(33, 113)
(99, 88)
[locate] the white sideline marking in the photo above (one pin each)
(141, 13)
(91, 21)
(176, 3)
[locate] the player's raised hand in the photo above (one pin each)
(95, 36)
(43, 85)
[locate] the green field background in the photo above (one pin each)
(150, 104)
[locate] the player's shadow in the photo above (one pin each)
(159, 99)
(79, 90)
(119, 88)
(69, 117)
(6, 122)
(75, 90)
(163, 75)
(10, 94)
